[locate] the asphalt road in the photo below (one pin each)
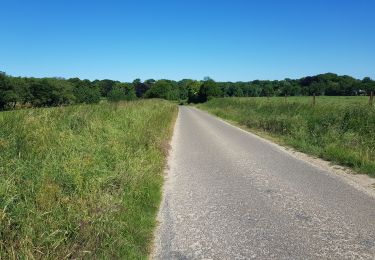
(231, 195)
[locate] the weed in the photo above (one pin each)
(82, 181)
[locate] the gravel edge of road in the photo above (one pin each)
(156, 242)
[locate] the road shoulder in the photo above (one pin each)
(361, 182)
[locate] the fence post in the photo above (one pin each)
(371, 99)
(314, 99)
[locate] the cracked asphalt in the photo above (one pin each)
(231, 195)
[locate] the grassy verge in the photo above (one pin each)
(82, 181)
(339, 129)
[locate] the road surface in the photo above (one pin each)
(231, 195)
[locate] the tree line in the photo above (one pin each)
(16, 92)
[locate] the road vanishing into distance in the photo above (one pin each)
(232, 195)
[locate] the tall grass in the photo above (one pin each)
(340, 129)
(82, 181)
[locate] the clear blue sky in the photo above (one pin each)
(175, 39)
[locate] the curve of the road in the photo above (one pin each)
(231, 195)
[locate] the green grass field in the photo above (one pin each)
(339, 129)
(82, 181)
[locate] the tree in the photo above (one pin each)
(130, 93)
(105, 86)
(116, 94)
(317, 88)
(289, 88)
(147, 84)
(141, 88)
(17, 91)
(183, 87)
(122, 91)
(50, 92)
(85, 93)
(193, 91)
(21, 88)
(368, 84)
(7, 93)
(163, 89)
(267, 90)
(208, 90)
(238, 92)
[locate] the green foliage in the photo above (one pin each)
(7, 94)
(26, 92)
(141, 88)
(163, 89)
(105, 86)
(267, 90)
(50, 92)
(193, 90)
(13, 92)
(122, 91)
(130, 93)
(116, 94)
(340, 129)
(368, 85)
(82, 182)
(289, 88)
(84, 92)
(208, 90)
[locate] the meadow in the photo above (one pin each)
(338, 129)
(82, 181)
